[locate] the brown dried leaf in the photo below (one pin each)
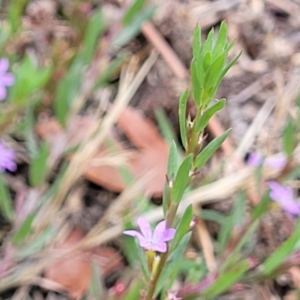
(74, 272)
(141, 131)
(151, 156)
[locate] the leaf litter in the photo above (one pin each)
(150, 153)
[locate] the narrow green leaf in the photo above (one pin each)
(221, 40)
(70, 85)
(208, 45)
(214, 71)
(45, 237)
(173, 161)
(28, 79)
(133, 11)
(232, 258)
(201, 74)
(235, 219)
(229, 46)
(197, 42)
(210, 149)
(195, 83)
(262, 207)
(182, 227)
(39, 166)
(165, 126)
(280, 254)
(15, 12)
(95, 28)
(129, 32)
(208, 113)
(24, 230)
(182, 179)
(288, 139)
(212, 215)
(226, 280)
(28, 129)
(111, 70)
(96, 289)
(239, 209)
(166, 198)
(182, 117)
(228, 66)
(5, 201)
(134, 292)
(207, 61)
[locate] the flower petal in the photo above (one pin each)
(134, 233)
(168, 234)
(280, 193)
(145, 228)
(291, 207)
(4, 64)
(254, 159)
(160, 247)
(277, 161)
(158, 232)
(7, 79)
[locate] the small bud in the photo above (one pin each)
(155, 264)
(118, 289)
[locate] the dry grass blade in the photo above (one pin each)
(254, 129)
(94, 237)
(88, 150)
(283, 104)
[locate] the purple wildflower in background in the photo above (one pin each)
(276, 162)
(155, 241)
(254, 159)
(7, 157)
(284, 196)
(6, 79)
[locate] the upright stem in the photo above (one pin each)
(154, 280)
(192, 147)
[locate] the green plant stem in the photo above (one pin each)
(171, 214)
(170, 220)
(154, 280)
(193, 146)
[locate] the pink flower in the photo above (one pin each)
(284, 196)
(6, 79)
(172, 296)
(155, 241)
(7, 157)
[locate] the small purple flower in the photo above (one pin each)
(6, 79)
(7, 157)
(276, 162)
(284, 196)
(254, 159)
(155, 241)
